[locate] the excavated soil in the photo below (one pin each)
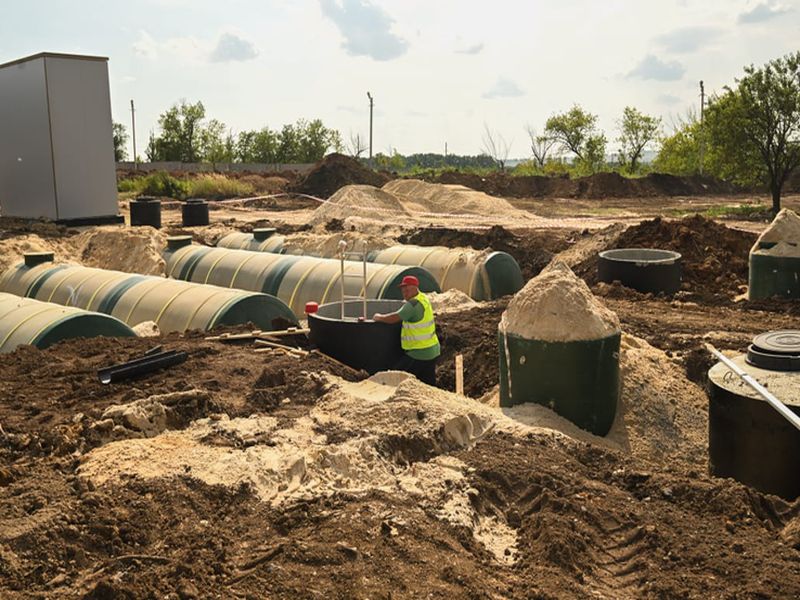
(533, 249)
(401, 491)
(598, 186)
(336, 171)
(520, 515)
(714, 257)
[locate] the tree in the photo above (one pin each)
(180, 137)
(356, 145)
(756, 124)
(680, 152)
(258, 146)
(495, 146)
(541, 145)
(637, 130)
(120, 139)
(216, 145)
(575, 130)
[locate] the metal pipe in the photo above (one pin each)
(759, 389)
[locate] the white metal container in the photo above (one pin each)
(56, 140)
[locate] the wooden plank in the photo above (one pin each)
(281, 346)
(460, 374)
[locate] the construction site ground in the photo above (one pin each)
(258, 475)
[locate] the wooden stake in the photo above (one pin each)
(460, 374)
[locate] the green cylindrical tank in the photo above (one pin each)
(579, 380)
(479, 275)
(294, 279)
(173, 305)
(24, 321)
(263, 239)
(482, 276)
(772, 275)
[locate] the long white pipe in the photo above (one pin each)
(760, 389)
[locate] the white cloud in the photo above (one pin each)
(146, 46)
(688, 39)
(652, 67)
(504, 88)
(474, 49)
(233, 48)
(366, 29)
(762, 12)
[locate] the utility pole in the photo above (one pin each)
(371, 104)
(133, 135)
(702, 129)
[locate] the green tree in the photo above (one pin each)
(755, 125)
(217, 145)
(120, 139)
(637, 130)
(576, 131)
(680, 152)
(258, 146)
(180, 137)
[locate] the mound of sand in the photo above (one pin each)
(782, 237)
(423, 197)
(133, 250)
(359, 201)
(452, 300)
(558, 306)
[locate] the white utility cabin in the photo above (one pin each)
(56, 139)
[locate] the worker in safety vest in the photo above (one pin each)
(418, 334)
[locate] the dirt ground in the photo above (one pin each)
(413, 493)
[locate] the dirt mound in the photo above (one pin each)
(533, 249)
(597, 186)
(715, 257)
(336, 171)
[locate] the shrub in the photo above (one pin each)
(162, 184)
(134, 184)
(217, 186)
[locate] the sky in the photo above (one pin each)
(440, 71)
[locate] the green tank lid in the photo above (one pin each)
(579, 380)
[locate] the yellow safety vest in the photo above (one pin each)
(421, 334)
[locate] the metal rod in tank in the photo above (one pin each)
(342, 248)
(364, 284)
(760, 389)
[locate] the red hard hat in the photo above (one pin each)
(311, 308)
(409, 280)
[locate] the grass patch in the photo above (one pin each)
(739, 212)
(134, 184)
(216, 187)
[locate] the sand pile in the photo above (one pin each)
(363, 201)
(132, 250)
(558, 306)
(782, 237)
(452, 300)
(423, 197)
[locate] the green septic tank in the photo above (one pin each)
(263, 239)
(29, 322)
(775, 259)
(482, 276)
(173, 305)
(294, 279)
(566, 354)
